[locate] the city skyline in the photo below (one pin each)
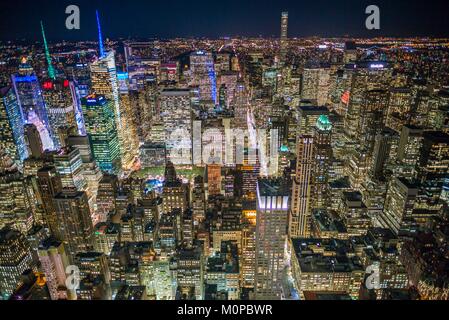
(213, 20)
(232, 168)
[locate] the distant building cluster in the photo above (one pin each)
(311, 169)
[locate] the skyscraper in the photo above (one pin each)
(60, 106)
(302, 188)
(372, 117)
(69, 166)
(31, 102)
(368, 79)
(54, 261)
(385, 152)
(284, 30)
(130, 145)
(248, 256)
(107, 191)
(213, 179)
(203, 75)
(433, 169)
(322, 153)
(101, 129)
(399, 203)
(105, 82)
(14, 202)
(176, 111)
(12, 139)
(74, 221)
(33, 141)
(15, 258)
(190, 273)
(271, 236)
(49, 184)
(409, 147)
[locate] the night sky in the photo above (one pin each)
(216, 18)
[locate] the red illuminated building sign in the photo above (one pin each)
(345, 97)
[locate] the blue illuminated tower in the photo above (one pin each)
(203, 75)
(211, 74)
(100, 37)
(12, 139)
(29, 96)
(103, 74)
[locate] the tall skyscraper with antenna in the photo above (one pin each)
(59, 101)
(51, 70)
(105, 82)
(283, 42)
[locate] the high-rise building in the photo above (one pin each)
(433, 168)
(176, 111)
(15, 258)
(316, 82)
(222, 271)
(284, 34)
(49, 184)
(107, 192)
(203, 75)
(33, 141)
(301, 209)
(69, 166)
(130, 145)
(190, 273)
(366, 77)
(399, 203)
(213, 179)
(12, 139)
(32, 286)
(410, 142)
(324, 270)
(105, 83)
(174, 193)
(30, 99)
(101, 129)
(92, 265)
(322, 153)
(372, 117)
(227, 88)
(198, 201)
(54, 261)
(74, 221)
(15, 208)
(308, 117)
(385, 153)
(241, 106)
(354, 213)
(248, 256)
(271, 237)
(60, 106)
(91, 171)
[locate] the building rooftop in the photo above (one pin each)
(272, 187)
(436, 136)
(127, 292)
(313, 110)
(325, 255)
(328, 222)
